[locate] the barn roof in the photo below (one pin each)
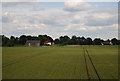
(48, 41)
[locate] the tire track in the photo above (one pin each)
(88, 75)
(86, 53)
(93, 65)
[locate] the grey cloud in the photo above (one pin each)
(10, 4)
(51, 20)
(96, 21)
(112, 11)
(38, 9)
(20, 0)
(5, 20)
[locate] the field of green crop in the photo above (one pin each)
(64, 62)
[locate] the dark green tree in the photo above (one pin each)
(4, 40)
(82, 41)
(74, 40)
(89, 41)
(10, 43)
(64, 40)
(22, 39)
(97, 41)
(114, 41)
(57, 41)
(16, 41)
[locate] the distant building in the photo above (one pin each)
(47, 43)
(32, 43)
(106, 43)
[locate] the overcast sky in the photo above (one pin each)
(93, 19)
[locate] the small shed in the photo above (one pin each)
(32, 43)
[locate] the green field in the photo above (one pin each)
(64, 62)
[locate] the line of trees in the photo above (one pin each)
(63, 40)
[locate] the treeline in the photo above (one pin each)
(19, 41)
(62, 40)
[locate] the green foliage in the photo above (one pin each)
(115, 41)
(57, 41)
(5, 41)
(10, 43)
(97, 41)
(44, 38)
(63, 40)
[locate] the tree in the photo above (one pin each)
(89, 41)
(29, 37)
(12, 40)
(22, 39)
(16, 41)
(49, 38)
(114, 41)
(97, 41)
(118, 42)
(4, 40)
(10, 43)
(74, 40)
(107, 40)
(57, 41)
(64, 40)
(34, 38)
(82, 41)
(44, 38)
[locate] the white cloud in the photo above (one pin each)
(77, 6)
(82, 27)
(94, 18)
(56, 22)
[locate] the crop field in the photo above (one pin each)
(64, 62)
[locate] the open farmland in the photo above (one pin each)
(64, 62)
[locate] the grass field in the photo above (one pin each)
(65, 62)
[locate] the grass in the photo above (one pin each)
(65, 62)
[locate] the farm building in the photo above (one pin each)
(32, 43)
(49, 43)
(106, 43)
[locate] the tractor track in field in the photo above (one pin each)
(93, 65)
(86, 53)
(86, 65)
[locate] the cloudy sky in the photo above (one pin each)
(88, 19)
